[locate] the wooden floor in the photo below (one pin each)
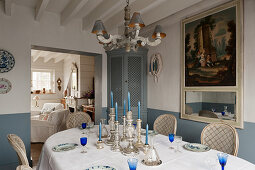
(35, 152)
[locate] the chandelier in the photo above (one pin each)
(130, 39)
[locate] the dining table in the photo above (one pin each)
(171, 160)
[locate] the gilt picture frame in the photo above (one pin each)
(212, 61)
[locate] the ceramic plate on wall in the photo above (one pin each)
(7, 61)
(5, 86)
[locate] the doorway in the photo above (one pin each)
(66, 71)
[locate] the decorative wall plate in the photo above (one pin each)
(7, 61)
(156, 65)
(5, 86)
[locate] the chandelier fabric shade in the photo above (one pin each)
(130, 38)
(158, 30)
(136, 20)
(99, 27)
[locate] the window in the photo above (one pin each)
(43, 79)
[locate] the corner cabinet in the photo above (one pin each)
(127, 72)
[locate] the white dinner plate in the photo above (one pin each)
(196, 147)
(101, 168)
(64, 147)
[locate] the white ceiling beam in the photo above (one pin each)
(165, 9)
(89, 7)
(35, 58)
(101, 10)
(116, 8)
(151, 11)
(8, 7)
(60, 57)
(71, 10)
(48, 58)
(40, 8)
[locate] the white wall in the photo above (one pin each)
(165, 95)
(18, 32)
(58, 68)
(219, 97)
(193, 97)
(87, 73)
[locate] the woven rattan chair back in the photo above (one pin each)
(221, 137)
(24, 167)
(76, 119)
(165, 124)
(18, 145)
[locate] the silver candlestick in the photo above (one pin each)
(124, 137)
(100, 144)
(130, 129)
(110, 141)
(139, 143)
(116, 146)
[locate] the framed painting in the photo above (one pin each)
(211, 64)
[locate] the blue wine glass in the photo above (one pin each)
(223, 157)
(132, 163)
(83, 125)
(171, 139)
(83, 143)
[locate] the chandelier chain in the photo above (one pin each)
(127, 2)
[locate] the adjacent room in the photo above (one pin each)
(127, 84)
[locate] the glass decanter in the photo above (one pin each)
(104, 131)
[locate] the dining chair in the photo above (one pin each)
(222, 137)
(165, 124)
(207, 113)
(24, 167)
(76, 119)
(18, 145)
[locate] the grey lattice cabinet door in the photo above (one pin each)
(127, 71)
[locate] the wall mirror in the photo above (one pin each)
(219, 105)
(74, 77)
(212, 106)
(212, 65)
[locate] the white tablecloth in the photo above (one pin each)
(74, 160)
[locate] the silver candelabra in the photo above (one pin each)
(139, 143)
(124, 137)
(116, 145)
(130, 149)
(110, 141)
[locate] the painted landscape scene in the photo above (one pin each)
(210, 50)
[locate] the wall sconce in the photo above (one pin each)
(59, 84)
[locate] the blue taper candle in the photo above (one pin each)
(111, 99)
(146, 139)
(116, 111)
(100, 131)
(129, 102)
(139, 110)
(124, 108)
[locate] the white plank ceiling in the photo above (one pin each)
(48, 55)
(110, 11)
